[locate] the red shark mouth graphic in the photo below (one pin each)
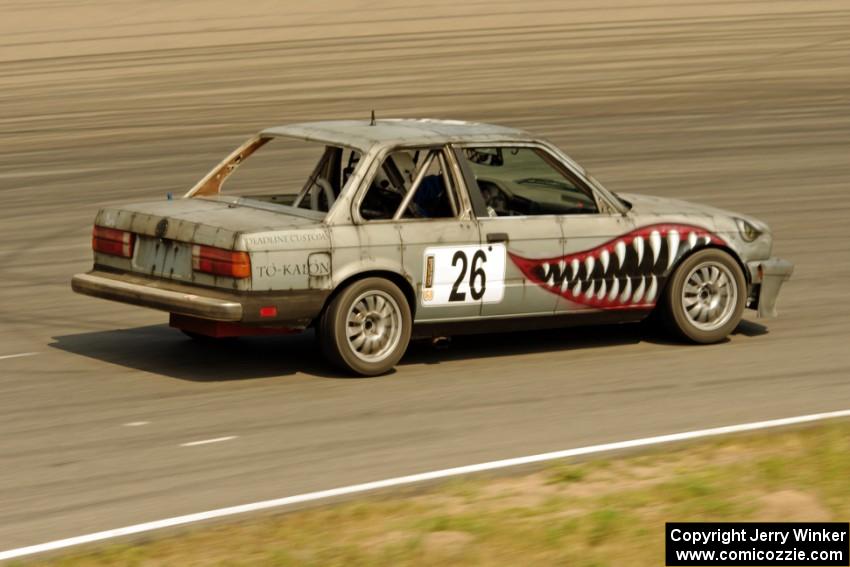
(626, 272)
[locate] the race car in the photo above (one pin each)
(375, 231)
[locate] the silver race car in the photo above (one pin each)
(426, 228)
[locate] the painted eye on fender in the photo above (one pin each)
(747, 230)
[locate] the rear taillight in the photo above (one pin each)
(221, 262)
(113, 242)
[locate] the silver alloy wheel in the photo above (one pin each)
(709, 295)
(373, 326)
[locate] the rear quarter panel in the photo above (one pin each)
(365, 248)
(286, 260)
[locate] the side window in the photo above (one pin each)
(273, 170)
(329, 177)
(516, 181)
(410, 184)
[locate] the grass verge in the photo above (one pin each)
(602, 512)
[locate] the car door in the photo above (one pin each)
(500, 180)
(415, 192)
(561, 235)
(522, 237)
(598, 271)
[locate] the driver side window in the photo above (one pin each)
(521, 181)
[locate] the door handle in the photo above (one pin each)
(497, 237)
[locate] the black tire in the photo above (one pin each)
(385, 328)
(696, 272)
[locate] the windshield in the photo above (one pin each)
(284, 171)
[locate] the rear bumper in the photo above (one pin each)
(98, 285)
(294, 308)
(767, 277)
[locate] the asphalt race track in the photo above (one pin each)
(744, 105)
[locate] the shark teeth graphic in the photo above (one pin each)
(620, 250)
(627, 272)
(672, 244)
(627, 292)
(615, 288)
(546, 270)
(653, 289)
(604, 258)
(638, 292)
(655, 245)
(638, 244)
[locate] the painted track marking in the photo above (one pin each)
(136, 423)
(19, 355)
(208, 441)
(412, 479)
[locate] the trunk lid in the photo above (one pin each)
(166, 231)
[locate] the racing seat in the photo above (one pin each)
(431, 199)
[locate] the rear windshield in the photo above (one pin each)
(292, 172)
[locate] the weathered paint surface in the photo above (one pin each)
(297, 249)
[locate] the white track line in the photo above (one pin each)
(136, 423)
(19, 355)
(411, 479)
(208, 441)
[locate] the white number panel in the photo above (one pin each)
(457, 275)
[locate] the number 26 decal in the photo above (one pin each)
(474, 274)
(454, 275)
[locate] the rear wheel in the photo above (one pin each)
(704, 300)
(366, 328)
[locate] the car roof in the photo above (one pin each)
(363, 134)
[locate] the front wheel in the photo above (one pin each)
(704, 300)
(366, 328)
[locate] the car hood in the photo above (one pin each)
(651, 204)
